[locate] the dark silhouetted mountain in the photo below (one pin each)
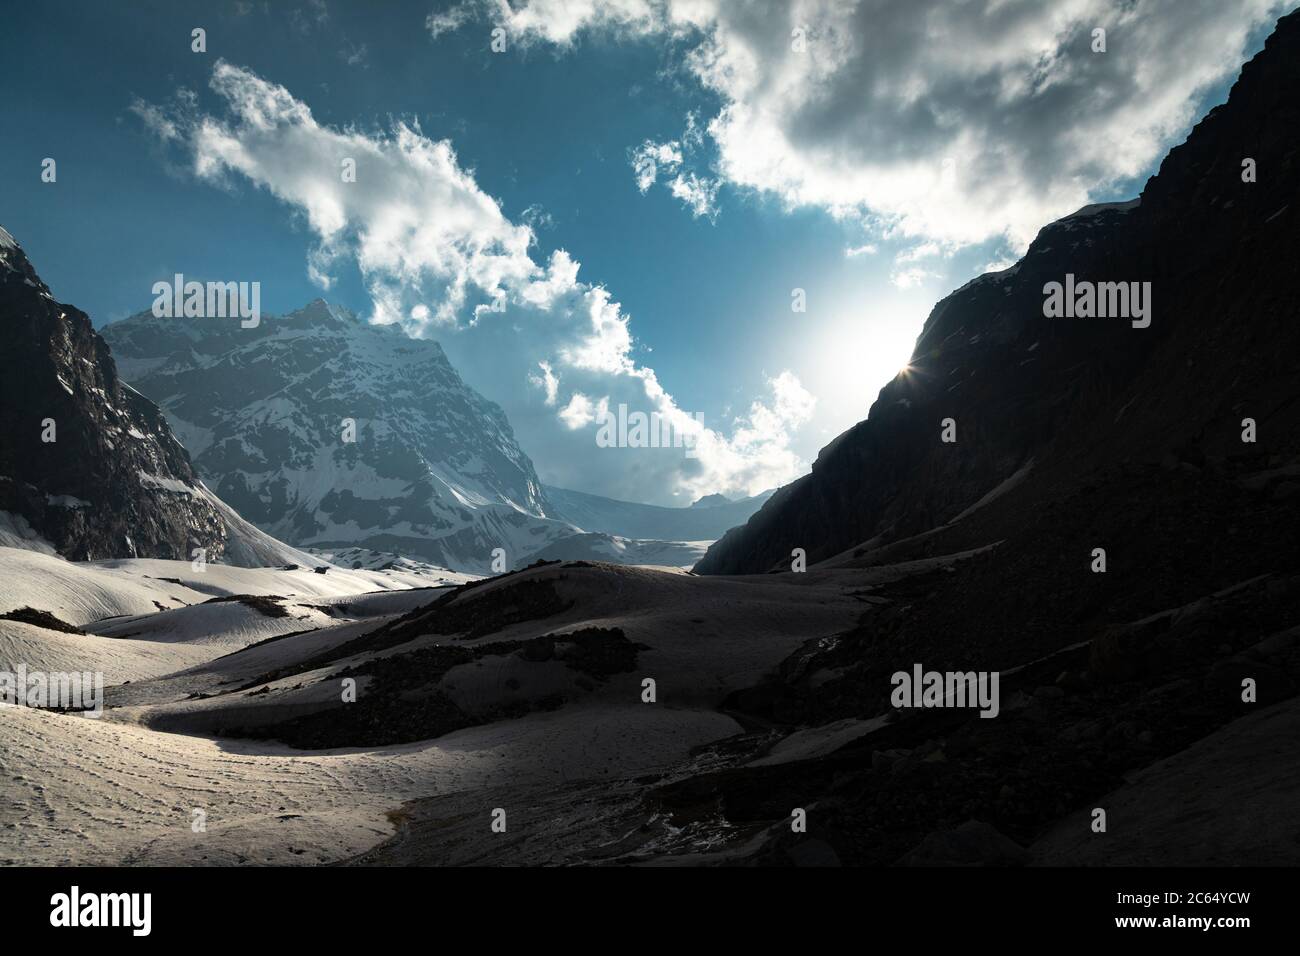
(711, 501)
(1042, 405)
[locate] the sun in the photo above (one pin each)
(846, 361)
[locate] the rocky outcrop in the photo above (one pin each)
(87, 464)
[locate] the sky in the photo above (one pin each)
(602, 202)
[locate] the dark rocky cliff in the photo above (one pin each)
(114, 482)
(1073, 395)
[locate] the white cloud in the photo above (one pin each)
(537, 218)
(699, 194)
(649, 157)
(548, 382)
(450, 20)
(911, 277)
(552, 21)
(651, 160)
(580, 411)
(909, 272)
(954, 122)
(311, 17)
(997, 265)
(157, 121)
(354, 55)
(922, 250)
(439, 256)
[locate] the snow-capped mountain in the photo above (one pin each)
(330, 432)
(89, 467)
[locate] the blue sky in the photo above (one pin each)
(546, 129)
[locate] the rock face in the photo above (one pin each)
(329, 432)
(1042, 399)
(113, 481)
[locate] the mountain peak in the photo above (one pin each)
(711, 501)
(319, 310)
(328, 431)
(14, 259)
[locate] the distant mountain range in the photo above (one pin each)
(706, 520)
(89, 468)
(432, 470)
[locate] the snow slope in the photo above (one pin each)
(122, 790)
(80, 593)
